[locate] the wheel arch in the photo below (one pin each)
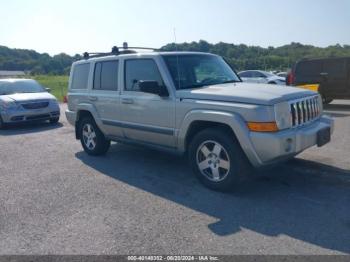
(86, 110)
(198, 120)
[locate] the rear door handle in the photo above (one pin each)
(127, 101)
(93, 98)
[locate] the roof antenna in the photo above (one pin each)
(177, 61)
(125, 45)
(115, 50)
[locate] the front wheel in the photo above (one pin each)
(1, 123)
(326, 100)
(217, 159)
(92, 139)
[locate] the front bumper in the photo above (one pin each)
(71, 116)
(26, 115)
(274, 147)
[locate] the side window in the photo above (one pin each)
(309, 68)
(259, 74)
(106, 75)
(80, 76)
(140, 69)
(335, 68)
(246, 74)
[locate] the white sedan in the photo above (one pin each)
(258, 76)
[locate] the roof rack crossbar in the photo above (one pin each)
(117, 51)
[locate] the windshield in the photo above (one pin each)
(21, 86)
(268, 74)
(194, 71)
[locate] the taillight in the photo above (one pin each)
(65, 99)
(290, 78)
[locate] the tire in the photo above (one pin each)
(217, 159)
(272, 83)
(54, 120)
(326, 100)
(91, 138)
(1, 123)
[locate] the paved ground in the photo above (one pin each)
(54, 199)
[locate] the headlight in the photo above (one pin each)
(54, 102)
(9, 105)
(283, 116)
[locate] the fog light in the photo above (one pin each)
(288, 145)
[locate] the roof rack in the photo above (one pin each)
(118, 51)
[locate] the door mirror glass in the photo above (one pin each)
(152, 87)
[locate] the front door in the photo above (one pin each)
(146, 117)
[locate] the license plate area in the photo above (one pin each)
(323, 136)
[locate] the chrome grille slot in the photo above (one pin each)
(304, 110)
(35, 105)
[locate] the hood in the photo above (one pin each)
(25, 97)
(261, 94)
(279, 78)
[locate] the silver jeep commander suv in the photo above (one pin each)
(191, 103)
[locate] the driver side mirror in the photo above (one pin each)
(152, 87)
(48, 90)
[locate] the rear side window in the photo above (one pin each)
(309, 68)
(106, 75)
(335, 68)
(140, 69)
(80, 76)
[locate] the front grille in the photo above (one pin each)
(35, 105)
(305, 110)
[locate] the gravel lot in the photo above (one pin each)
(54, 199)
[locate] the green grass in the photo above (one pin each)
(57, 84)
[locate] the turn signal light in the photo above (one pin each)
(262, 126)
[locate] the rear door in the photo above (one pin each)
(105, 95)
(335, 78)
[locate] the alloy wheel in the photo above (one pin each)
(89, 136)
(213, 161)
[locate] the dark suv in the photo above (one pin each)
(332, 75)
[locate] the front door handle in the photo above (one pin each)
(127, 101)
(93, 98)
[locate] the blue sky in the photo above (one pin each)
(75, 26)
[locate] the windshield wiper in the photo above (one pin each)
(229, 81)
(192, 86)
(209, 84)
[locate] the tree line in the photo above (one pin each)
(241, 57)
(34, 62)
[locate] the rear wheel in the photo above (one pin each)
(217, 159)
(91, 138)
